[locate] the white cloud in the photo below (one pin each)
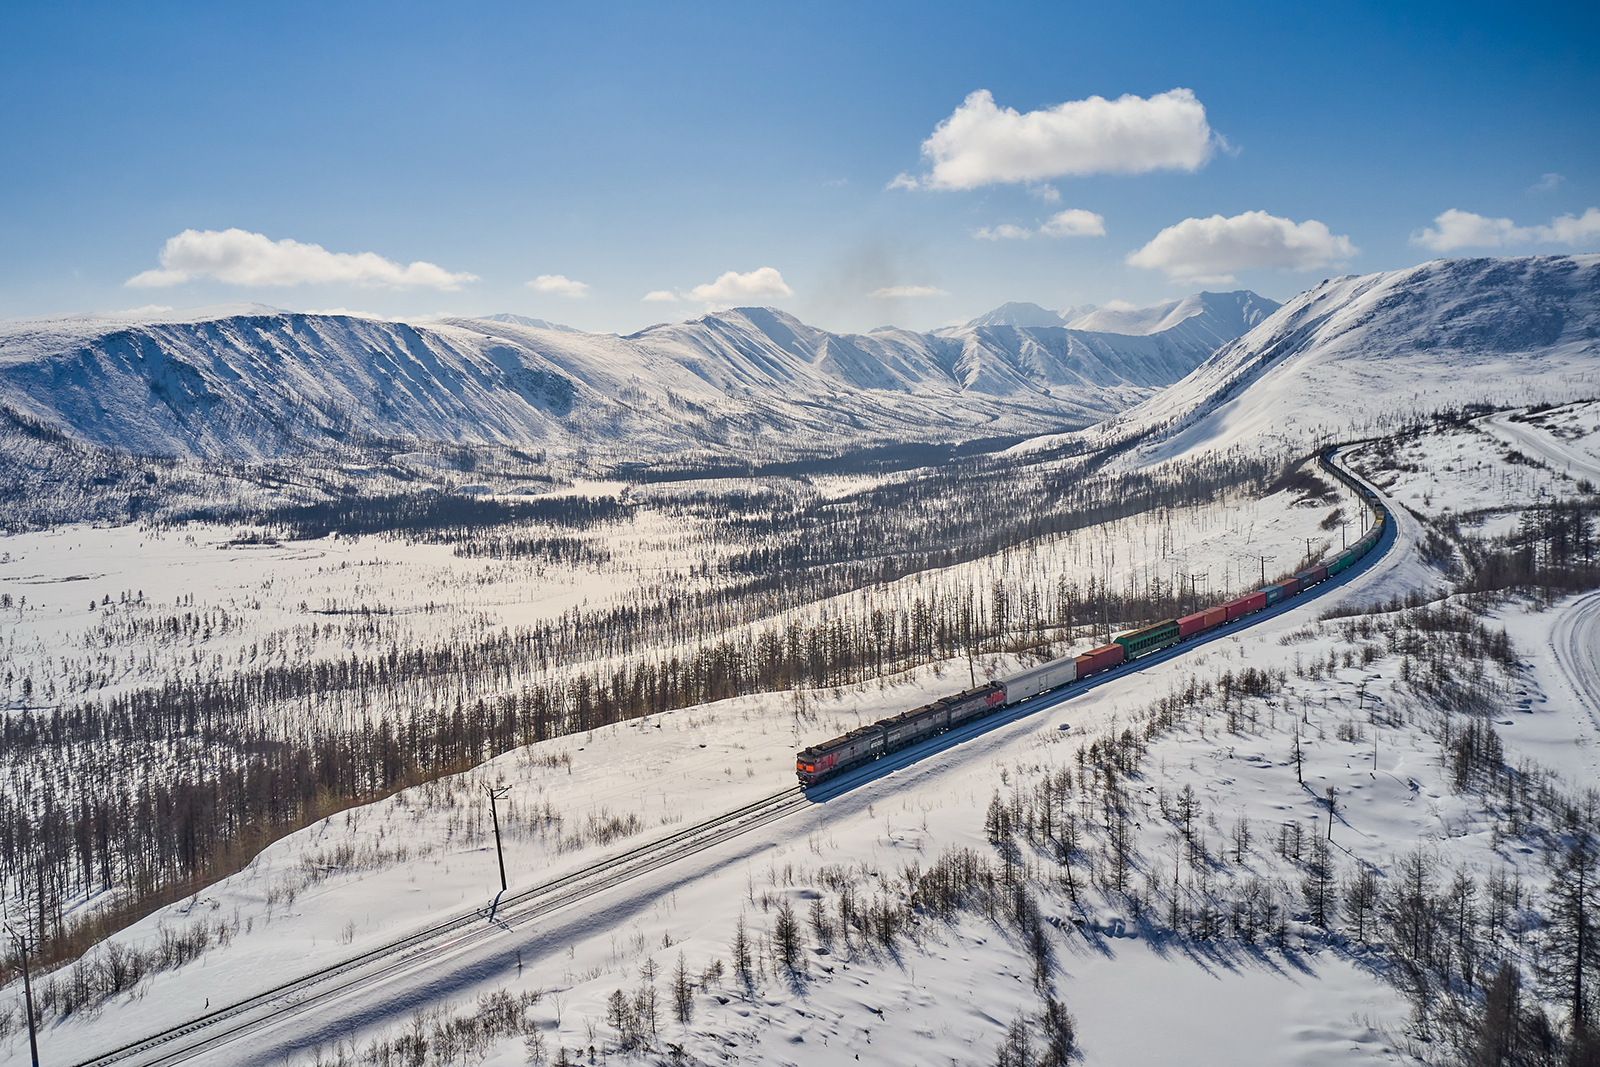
(1210, 250)
(1048, 193)
(239, 257)
(733, 287)
(1570, 229)
(1463, 229)
(729, 289)
(1547, 182)
(981, 144)
(895, 291)
(559, 284)
(1073, 222)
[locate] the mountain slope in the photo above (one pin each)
(524, 320)
(1364, 354)
(750, 381)
(1022, 313)
(1214, 318)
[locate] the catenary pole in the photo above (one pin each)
(21, 941)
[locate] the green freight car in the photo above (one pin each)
(1149, 639)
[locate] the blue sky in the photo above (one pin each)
(445, 156)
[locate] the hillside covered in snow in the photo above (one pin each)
(255, 383)
(1361, 355)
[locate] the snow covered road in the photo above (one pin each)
(1575, 642)
(1557, 454)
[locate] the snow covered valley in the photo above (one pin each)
(1346, 830)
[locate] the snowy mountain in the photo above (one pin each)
(255, 382)
(524, 320)
(1359, 355)
(1216, 318)
(1022, 313)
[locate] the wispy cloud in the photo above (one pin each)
(1210, 250)
(1006, 231)
(1548, 182)
(660, 296)
(893, 292)
(1073, 222)
(560, 285)
(983, 144)
(1464, 229)
(239, 257)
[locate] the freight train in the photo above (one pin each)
(867, 743)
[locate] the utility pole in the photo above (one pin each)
(1344, 524)
(1308, 541)
(497, 793)
(1194, 593)
(1264, 560)
(21, 941)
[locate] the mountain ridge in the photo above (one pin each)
(255, 383)
(1361, 355)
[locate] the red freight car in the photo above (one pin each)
(1245, 605)
(1098, 659)
(1201, 621)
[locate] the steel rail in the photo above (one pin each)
(395, 957)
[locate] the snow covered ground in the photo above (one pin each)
(947, 989)
(345, 884)
(944, 988)
(91, 609)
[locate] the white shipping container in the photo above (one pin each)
(1036, 681)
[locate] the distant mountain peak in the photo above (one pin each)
(1224, 315)
(1019, 313)
(524, 320)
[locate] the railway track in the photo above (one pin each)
(460, 933)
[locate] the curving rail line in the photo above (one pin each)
(318, 988)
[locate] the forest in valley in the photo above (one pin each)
(137, 795)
